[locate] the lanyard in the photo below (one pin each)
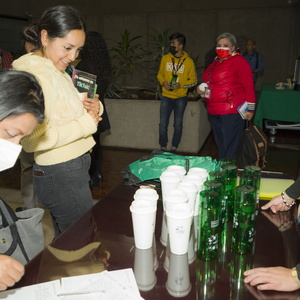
(216, 61)
(174, 69)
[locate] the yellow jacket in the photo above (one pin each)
(66, 132)
(186, 72)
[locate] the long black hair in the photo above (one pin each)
(20, 93)
(95, 51)
(59, 20)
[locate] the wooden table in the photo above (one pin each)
(109, 222)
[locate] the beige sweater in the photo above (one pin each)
(66, 132)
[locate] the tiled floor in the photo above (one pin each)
(283, 156)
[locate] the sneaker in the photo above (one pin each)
(163, 148)
(173, 149)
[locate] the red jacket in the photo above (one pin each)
(231, 84)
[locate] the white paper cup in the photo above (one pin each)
(169, 181)
(178, 169)
(143, 214)
(191, 190)
(175, 196)
(200, 171)
(198, 181)
(146, 194)
(179, 220)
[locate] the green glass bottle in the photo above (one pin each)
(173, 80)
(227, 161)
(217, 175)
(218, 186)
(244, 219)
(254, 171)
(208, 229)
(229, 188)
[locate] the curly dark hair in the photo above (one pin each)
(95, 51)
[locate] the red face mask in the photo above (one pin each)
(222, 52)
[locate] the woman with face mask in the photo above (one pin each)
(21, 109)
(62, 144)
(227, 83)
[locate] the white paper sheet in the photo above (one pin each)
(114, 285)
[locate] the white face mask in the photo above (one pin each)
(9, 153)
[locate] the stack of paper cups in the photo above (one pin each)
(143, 214)
(180, 170)
(198, 181)
(200, 171)
(169, 181)
(174, 196)
(146, 194)
(179, 220)
(191, 190)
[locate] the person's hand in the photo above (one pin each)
(200, 89)
(175, 85)
(92, 104)
(11, 271)
(166, 85)
(274, 278)
(261, 295)
(248, 116)
(276, 204)
(95, 115)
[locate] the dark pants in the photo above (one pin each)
(228, 131)
(28, 194)
(64, 189)
(96, 157)
(167, 105)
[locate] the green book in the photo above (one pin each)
(85, 82)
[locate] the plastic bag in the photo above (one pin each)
(150, 167)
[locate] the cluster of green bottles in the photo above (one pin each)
(223, 201)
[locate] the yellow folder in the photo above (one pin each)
(271, 187)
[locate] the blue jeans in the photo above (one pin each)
(228, 131)
(167, 105)
(64, 189)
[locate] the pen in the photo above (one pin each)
(82, 293)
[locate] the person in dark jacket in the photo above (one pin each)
(278, 278)
(227, 83)
(95, 59)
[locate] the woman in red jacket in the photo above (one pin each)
(227, 83)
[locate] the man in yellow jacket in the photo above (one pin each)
(176, 74)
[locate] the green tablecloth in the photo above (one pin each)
(279, 105)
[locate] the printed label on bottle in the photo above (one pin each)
(214, 224)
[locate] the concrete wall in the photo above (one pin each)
(274, 24)
(134, 124)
